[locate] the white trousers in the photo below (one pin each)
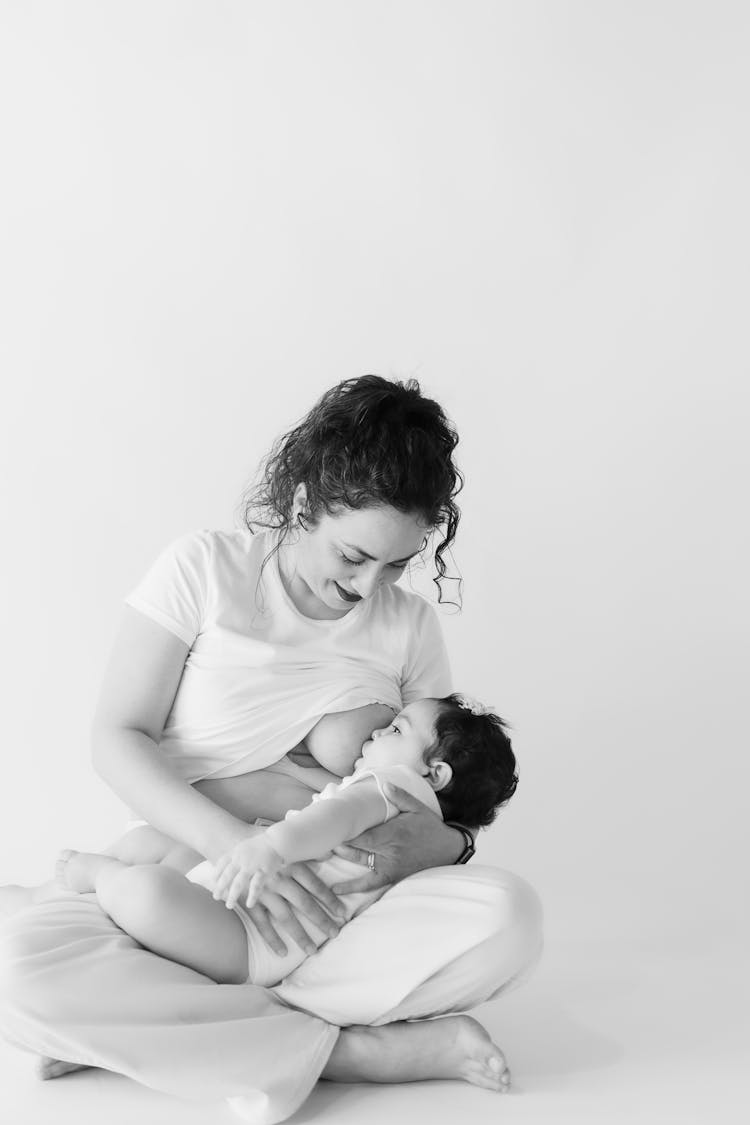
(74, 986)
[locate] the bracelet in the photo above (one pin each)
(469, 850)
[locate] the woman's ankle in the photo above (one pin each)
(352, 1056)
(450, 1047)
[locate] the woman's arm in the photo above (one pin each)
(139, 687)
(262, 793)
(412, 841)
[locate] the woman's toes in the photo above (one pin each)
(497, 1063)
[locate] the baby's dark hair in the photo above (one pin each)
(367, 442)
(480, 754)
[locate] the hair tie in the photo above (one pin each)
(468, 703)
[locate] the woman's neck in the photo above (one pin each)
(299, 593)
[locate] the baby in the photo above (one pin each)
(452, 755)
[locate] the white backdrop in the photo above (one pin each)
(213, 211)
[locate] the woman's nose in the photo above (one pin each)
(367, 583)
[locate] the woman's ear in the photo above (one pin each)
(299, 507)
(440, 775)
(299, 500)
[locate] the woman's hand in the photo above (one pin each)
(415, 839)
(287, 900)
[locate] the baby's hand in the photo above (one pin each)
(243, 871)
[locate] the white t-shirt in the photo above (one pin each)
(259, 674)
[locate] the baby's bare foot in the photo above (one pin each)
(55, 1068)
(77, 871)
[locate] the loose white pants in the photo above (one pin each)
(75, 987)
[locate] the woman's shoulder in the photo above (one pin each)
(394, 600)
(211, 543)
(208, 558)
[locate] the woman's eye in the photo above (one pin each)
(352, 562)
(397, 566)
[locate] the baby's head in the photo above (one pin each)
(460, 749)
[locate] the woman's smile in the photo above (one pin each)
(367, 547)
(347, 595)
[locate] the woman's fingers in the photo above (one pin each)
(402, 799)
(371, 881)
(285, 920)
(356, 855)
(323, 898)
(264, 925)
(372, 878)
(306, 907)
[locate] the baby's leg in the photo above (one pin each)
(167, 914)
(141, 845)
(144, 845)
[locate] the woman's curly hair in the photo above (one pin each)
(367, 442)
(481, 756)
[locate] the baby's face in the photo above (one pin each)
(405, 741)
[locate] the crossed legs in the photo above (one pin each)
(76, 987)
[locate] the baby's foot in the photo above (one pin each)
(55, 1068)
(77, 871)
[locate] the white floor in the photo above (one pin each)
(596, 1037)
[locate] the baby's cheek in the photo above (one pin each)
(336, 741)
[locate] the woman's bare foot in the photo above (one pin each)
(55, 1068)
(449, 1047)
(78, 871)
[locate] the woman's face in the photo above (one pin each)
(331, 566)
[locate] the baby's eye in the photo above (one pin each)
(395, 728)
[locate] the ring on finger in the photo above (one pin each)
(371, 860)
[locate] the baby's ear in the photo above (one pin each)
(440, 775)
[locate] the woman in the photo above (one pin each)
(271, 653)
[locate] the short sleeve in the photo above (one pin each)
(426, 672)
(173, 593)
(402, 776)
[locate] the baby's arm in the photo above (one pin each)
(310, 834)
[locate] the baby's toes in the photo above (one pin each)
(61, 866)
